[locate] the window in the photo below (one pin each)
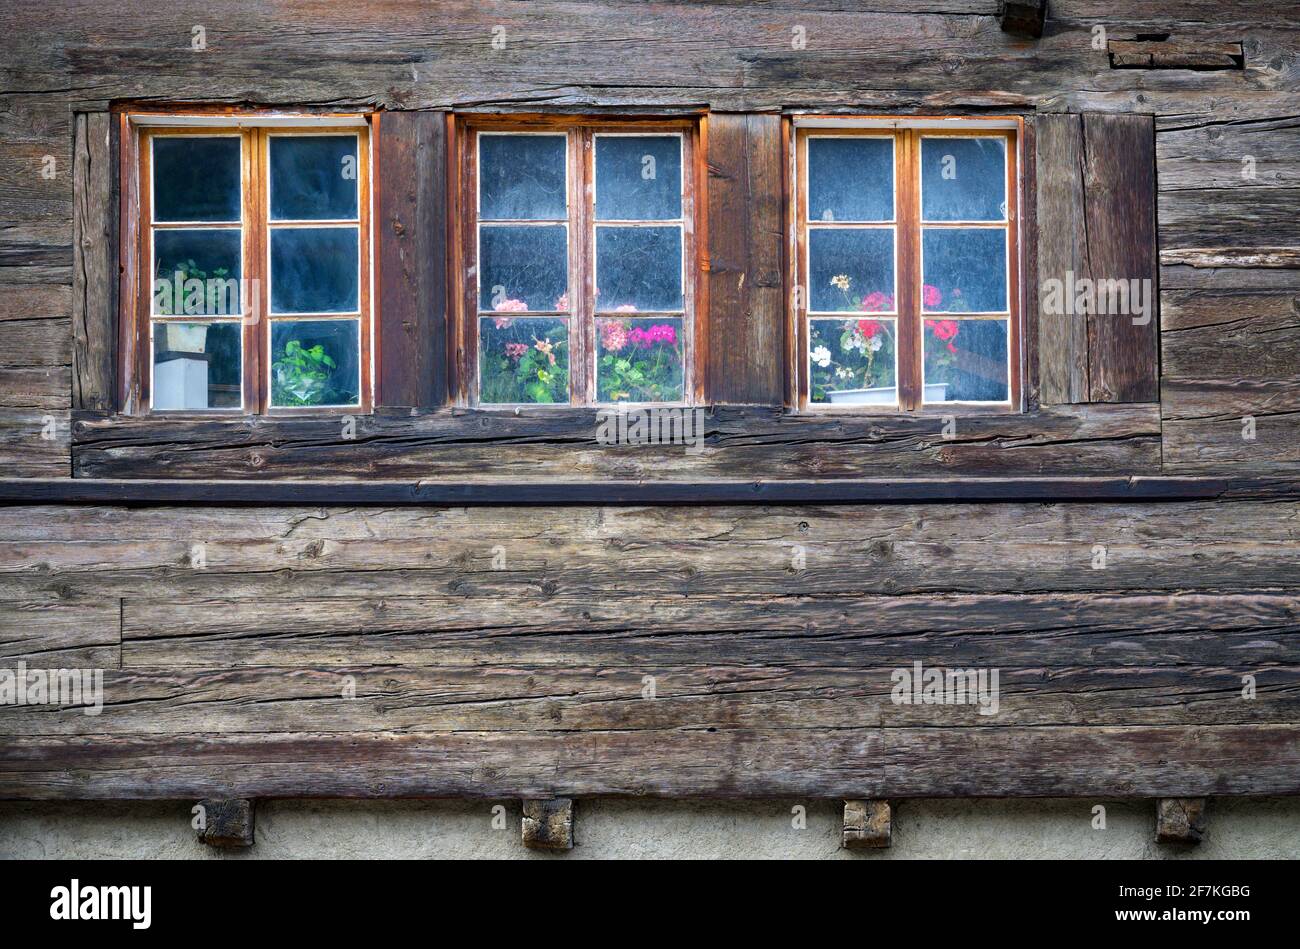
(254, 257)
(579, 257)
(907, 267)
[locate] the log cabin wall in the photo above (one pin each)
(498, 591)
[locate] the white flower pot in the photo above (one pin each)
(884, 395)
(186, 337)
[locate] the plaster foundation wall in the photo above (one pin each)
(1238, 829)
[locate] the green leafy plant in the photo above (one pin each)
(301, 376)
(524, 361)
(641, 362)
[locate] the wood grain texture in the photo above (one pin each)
(94, 290)
(1120, 192)
(1082, 761)
(745, 260)
(1062, 249)
(740, 442)
(411, 233)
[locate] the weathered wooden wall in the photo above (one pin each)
(227, 679)
(498, 652)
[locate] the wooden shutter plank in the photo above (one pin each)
(94, 280)
(1062, 249)
(746, 325)
(411, 312)
(1120, 188)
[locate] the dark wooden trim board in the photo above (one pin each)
(515, 493)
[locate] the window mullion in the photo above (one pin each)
(908, 218)
(582, 282)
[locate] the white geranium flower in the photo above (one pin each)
(821, 356)
(842, 281)
(875, 343)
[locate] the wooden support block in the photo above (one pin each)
(1023, 17)
(1174, 54)
(227, 823)
(548, 825)
(1180, 819)
(868, 825)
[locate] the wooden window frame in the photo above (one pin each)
(255, 129)
(907, 134)
(581, 132)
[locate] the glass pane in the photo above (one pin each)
(639, 360)
(850, 179)
(851, 269)
(314, 270)
(638, 177)
(965, 270)
(315, 362)
(197, 366)
(523, 360)
(195, 179)
(966, 361)
(852, 361)
(521, 177)
(523, 267)
(196, 272)
(963, 179)
(313, 177)
(638, 268)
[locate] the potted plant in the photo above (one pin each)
(301, 375)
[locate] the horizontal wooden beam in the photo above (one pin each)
(524, 493)
(850, 764)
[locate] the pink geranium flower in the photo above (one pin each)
(877, 302)
(931, 296)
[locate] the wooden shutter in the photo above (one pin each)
(1096, 185)
(746, 325)
(411, 260)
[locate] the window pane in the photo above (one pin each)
(315, 362)
(185, 255)
(852, 362)
(197, 366)
(963, 179)
(195, 179)
(966, 361)
(638, 268)
(850, 179)
(965, 270)
(523, 267)
(523, 360)
(521, 177)
(313, 177)
(638, 177)
(314, 270)
(851, 269)
(639, 360)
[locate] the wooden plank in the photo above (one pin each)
(1148, 630)
(669, 550)
(1268, 257)
(412, 259)
(1119, 172)
(738, 443)
(1157, 761)
(35, 343)
(36, 387)
(33, 301)
(60, 634)
(94, 271)
(746, 315)
(35, 443)
(1062, 251)
(813, 698)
